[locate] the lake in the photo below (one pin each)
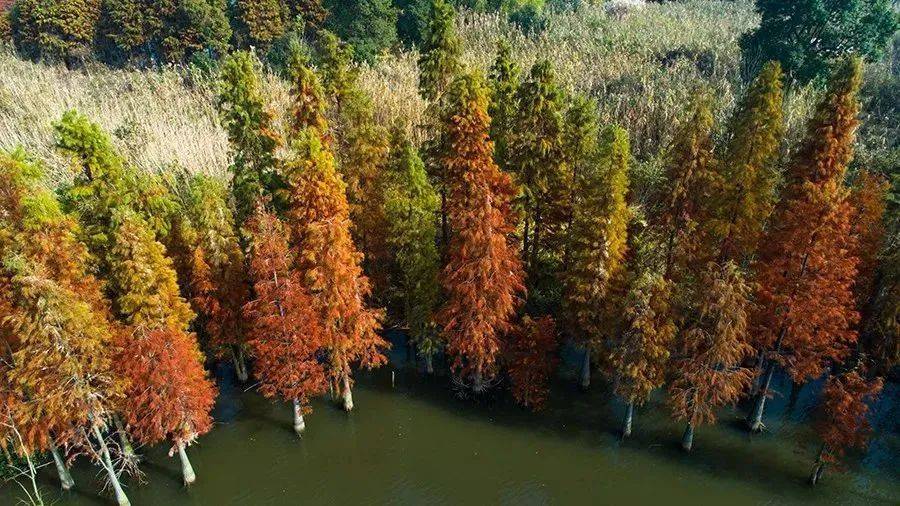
(419, 443)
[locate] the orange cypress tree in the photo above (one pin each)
(59, 386)
(210, 264)
(807, 264)
(285, 334)
(169, 396)
(707, 366)
(531, 360)
(483, 279)
(319, 221)
(876, 286)
(841, 422)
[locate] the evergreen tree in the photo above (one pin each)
(284, 332)
(483, 278)
(369, 26)
(805, 302)
(167, 30)
(440, 52)
(597, 242)
(412, 21)
(312, 12)
(251, 133)
(411, 206)
(319, 221)
(260, 22)
(746, 195)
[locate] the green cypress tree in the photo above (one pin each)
(336, 66)
(504, 83)
(597, 242)
(308, 99)
(251, 134)
(440, 52)
(411, 206)
(104, 182)
(538, 160)
(746, 194)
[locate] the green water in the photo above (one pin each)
(417, 443)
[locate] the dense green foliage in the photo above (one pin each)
(807, 36)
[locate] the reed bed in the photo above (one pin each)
(642, 64)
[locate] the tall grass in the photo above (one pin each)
(156, 118)
(641, 64)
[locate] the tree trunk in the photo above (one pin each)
(629, 416)
(65, 477)
(755, 420)
(9, 459)
(429, 363)
(687, 440)
(478, 381)
(186, 469)
(586, 369)
(796, 388)
(299, 424)
(127, 449)
(348, 394)
(445, 227)
(818, 468)
(121, 498)
(240, 364)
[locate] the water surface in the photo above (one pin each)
(417, 443)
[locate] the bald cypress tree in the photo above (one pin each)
(597, 243)
(440, 51)
(692, 177)
(483, 278)
(251, 134)
(539, 163)
(411, 205)
(318, 217)
(746, 195)
(59, 385)
(806, 311)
